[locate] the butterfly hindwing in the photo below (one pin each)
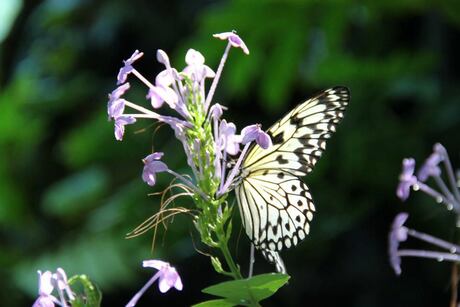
(277, 209)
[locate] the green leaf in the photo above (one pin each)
(87, 294)
(215, 303)
(253, 289)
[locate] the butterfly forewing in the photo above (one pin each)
(275, 205)
(299, 138)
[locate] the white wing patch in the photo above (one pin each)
(276, 207)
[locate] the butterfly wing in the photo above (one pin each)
(299, 138)
(275, 205)
(276, 208)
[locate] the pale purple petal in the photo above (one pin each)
(233, 144)
(159, 94)
(397, 234)
(194, 57)
(162, 57)
(168, 279)
(178, 284)
(233, 39)
(406, 179)
(216, 111)
(164, 78)
(156, 264)
(168, 275)
(61, 277)
(228, 138)
(254, 133)
(120, 123)
(431, 165)
(152, 165)
(116, 108)
(45, 287)
(128, 68)
(116, 105)
(45, 301)
(119, 91)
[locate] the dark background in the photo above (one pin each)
(69, 192)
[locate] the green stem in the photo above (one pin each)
(228, 258)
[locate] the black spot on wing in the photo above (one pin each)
(276, 139)
(281, 160)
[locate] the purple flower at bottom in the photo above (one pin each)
(406, 179)
(45, 288)
(168, 278)
(153, 166)
(120, 123)
(168, 275)
(397, 234)
(254, 133)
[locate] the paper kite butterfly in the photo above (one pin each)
(276, 206)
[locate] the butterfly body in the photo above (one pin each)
(275, 204)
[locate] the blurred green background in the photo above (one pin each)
(69, 192)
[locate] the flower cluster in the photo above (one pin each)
(207, 139)
(47, 282)
(431, 168)
(450, 197)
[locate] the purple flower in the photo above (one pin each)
(163, 58)
(254, 133)
(406, 179)
(430, 167)
(168, 275)
(216, 111)
(233, 39)
(120, 123)
(397, 234)
(195, 68)
(228, 140)
(45, 288)
(152, 165)
(159, 94)
(60, 278)
(168, 278)
(128, 68)
(116, 105)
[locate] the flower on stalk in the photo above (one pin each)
(406, 179)
(397, 234)
(116, 105)
(162, 92)
(45, 288)
(228, 140)
(128, 68)
(233, 39)
(120, 123)
(153, 165)
(431, 165)
(47, 282)
(167, 274)
(254, 133)
(196, 69)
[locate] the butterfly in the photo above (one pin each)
(275, 205)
